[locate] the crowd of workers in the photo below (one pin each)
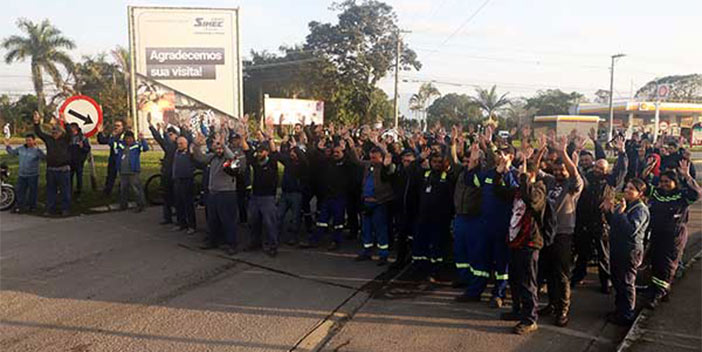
(522, 217)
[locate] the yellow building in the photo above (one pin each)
(675, 118)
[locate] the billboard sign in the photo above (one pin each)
(291, 111)
(187, 65)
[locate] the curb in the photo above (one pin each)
(635, 332)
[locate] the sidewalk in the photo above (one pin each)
(676, 325)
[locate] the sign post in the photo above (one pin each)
(662, 91)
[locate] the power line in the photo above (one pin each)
(475, 13)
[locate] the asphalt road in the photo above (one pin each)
(119, 282)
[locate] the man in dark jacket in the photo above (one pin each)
(525, 239)
(405, 207)
(58, 166)
(591, 228)
(264, 161)
(295, 178)
(111, 140)
(79, 150)
(184, 186)
(168, 145)
(376, 193)
(334, 179)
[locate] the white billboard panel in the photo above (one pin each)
(293, 111)
(187, 63)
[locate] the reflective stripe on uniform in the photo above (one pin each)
(476, 272)
(462, 266)
(443, 175)
(367, 245)
(322, 224)
(501, 277)
(437, 260)
(476, 180)
(488, 180)
(385, 246)
(337, 227)
(419, 258)
(135, 146)
(660, 283)
(410, 238)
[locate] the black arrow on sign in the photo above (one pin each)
(86, 119)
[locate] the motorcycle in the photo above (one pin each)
(7, 191)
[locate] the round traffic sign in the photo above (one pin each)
(84, 111)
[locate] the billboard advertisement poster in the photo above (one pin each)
(696, 134)
(186, 64)
(280, 111)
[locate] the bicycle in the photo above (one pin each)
(153, 190)
(7, 191)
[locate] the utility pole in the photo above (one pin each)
(398, 53)
(611, 96)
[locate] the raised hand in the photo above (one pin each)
(620, 144)
(387, 160)
(199, 140)
(684, 167)
(148, 118)
(474, 153)
(425, 153)
(592, 134)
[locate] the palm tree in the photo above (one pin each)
(43, 43)
(420, 100)
(490, 101)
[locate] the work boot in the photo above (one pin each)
(561, 319)
(495, 302)
(305, 244)
(523, 329)
(272, 252)
(511, 316)
(190, 232)
(617, 319)
(362, 257)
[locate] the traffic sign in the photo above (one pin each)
(663, 91)
(84, 111)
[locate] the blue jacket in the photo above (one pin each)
(29, 159)
(628, 228)
(496, 204)
(112, 141)
(134, 154)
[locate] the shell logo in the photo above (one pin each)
(645, 106)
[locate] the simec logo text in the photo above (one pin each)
(211, 23)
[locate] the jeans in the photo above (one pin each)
(131, 182)
(242, 201)
(111, 175)
(375, 218)
(27, 192)
(557, 259)
(587, 239)
(168, 202)
(222, 217)
(290, 201)
(522, 280)
(77, 172)
(264, 220)
(183, 191)
(58, 183)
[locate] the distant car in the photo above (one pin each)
(504, 134)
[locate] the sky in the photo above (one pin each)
(520, 46)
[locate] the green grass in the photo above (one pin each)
(90, 197)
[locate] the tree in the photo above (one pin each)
(18, 113)
(489, 101)
(452, 109)
(106, 83)
(361, 47)
(420, 100)
(43, 45)
(553, 102)
(518, 114)
(682, 88)
(602, 96)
